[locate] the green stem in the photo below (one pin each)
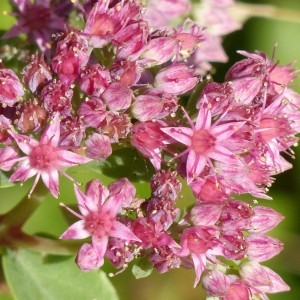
(244, 11)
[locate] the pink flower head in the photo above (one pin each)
(229, 287)
(11, 88)
(99, 207)
(94, 79)
(131, 40)
(159, 16)
(148, 138)
(107, 18)
(39, 20)
(71, 56)
(159, 50)
(154, 104)
(98, 146)
(176, 79)
(262, 279)
(250, 75)
(117, 96)
(196, 241)
(189, 36)
(205, 142)
(44, 158)
(37, 73)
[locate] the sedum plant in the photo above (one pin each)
(124, 90)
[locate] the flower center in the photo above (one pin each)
(202, 142)
(37, 17)
(98, 224)
(43, 157)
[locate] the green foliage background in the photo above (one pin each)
(257, 34)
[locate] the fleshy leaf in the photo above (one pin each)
(142, 268)
(33, 276)
(4, 180)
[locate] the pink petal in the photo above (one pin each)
(51, 181)
(277, 286)
(8, 157)
(203, 119)
(67, 158)
(97, 191)
(100, 245)
(199, 265)
(194, 165)
(264, 219)
(52, 133)
(98, 146)
(121, 231)
(112, 205)
(75, 232)
(224, 131)
(262, 247)
(180, 134)
(23, 172)
(221, 153)
(85, 203)
(24, 142)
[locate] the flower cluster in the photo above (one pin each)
(129, 79)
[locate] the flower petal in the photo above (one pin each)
(75, 231)
(85, 203)
(24, 142)
(52, 133)
(51, 181)
(121, 231)
(23, 172)
(100, 245)
(180, 134)
(67, 158)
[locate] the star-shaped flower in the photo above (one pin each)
(99, 207)
(205, 141)
(44, 158)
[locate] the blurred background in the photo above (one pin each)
(262, 34)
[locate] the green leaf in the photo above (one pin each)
(31, 275)
(142, 268)
(4, 180)
(126, 162)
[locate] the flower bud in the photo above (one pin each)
(176, 79)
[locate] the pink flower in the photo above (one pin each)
(98, 146)
(229, 287)
(159, 16)
(107, 18)
(205, 142)
(44, 158)
(99, 207)
(262, 279)
(148, 138)
(11, 88)
(39, 20)
(176, 79)
(196, 241)
(37, 73)
(117, 96)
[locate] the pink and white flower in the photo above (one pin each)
(44, 158)
(99, 207)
